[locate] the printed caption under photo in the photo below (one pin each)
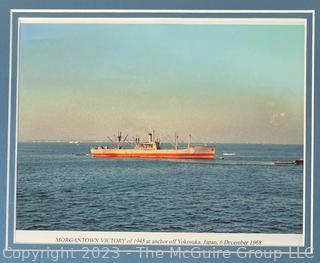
(159, 242)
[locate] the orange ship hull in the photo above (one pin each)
(148, 155)
(204, 152)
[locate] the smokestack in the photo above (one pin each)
(150, 137)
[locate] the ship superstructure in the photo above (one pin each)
(152, 149)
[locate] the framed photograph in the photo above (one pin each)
(159, 131)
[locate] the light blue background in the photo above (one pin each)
(4, 56)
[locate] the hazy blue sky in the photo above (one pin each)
(221, 83)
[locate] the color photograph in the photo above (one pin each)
(164, 125)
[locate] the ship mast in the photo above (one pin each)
(118, 142)
(176, 137)
(119, 139)
(189, 141)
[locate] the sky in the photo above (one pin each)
(221, 83)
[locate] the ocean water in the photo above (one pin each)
(244, 193)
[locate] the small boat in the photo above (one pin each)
(78, 154)
(229, 154)
(296, 162)
(284, 162)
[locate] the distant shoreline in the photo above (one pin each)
(217, 143)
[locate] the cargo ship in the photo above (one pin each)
(152, 149)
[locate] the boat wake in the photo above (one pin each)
(223, 162)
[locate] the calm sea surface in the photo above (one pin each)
(58, 190)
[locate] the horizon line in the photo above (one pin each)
(167, 142)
